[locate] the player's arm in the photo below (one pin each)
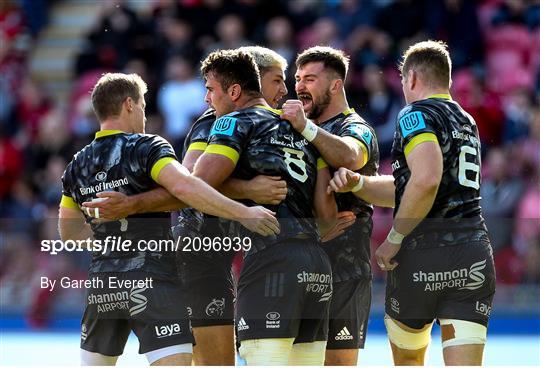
(425, 162)
(378, 190)
(71, 221)
(324, 203)
(261, 189)
(117, 205)
(196, 193)
(337, 151)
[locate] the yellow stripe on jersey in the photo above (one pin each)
(365, 155)
(226, 151)
(321, 164)
(275, 111)
(446, 96)
(197, 146)
(68, 202)
(349, 111)
(105, 133)
(420, 138)
(159, 165)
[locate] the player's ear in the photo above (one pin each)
(128, 103)
(412, 79)
(336, 86)
(235, 91)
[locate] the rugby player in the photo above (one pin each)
(208, 274)
(344, 139)
(285, 283)
(437, 254)
(123, 158)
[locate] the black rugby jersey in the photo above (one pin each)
(259, 142)
(191, 222)
(350, 253)
(456, 216)
(197, 137)
(127, 163)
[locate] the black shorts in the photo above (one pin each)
(210, 285)
(156, 312)
(451, 282)
(349, 314)
(284, 291)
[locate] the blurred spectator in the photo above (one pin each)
(52, 140)
(279, 37)
(174, 38)
(509, 47)
(456, 22)
(323, 32)
(403, 19)
(528, 149)
(231, 33)
(139, 67)
(379, 105)
(11, 166)
(180, 99)
(469, 90)
(377, 51)
(528, 215)
(500, 197)
(113, 40)
(303, 13)
(531, 260)
(11, 73)
(11, 19)
(510, 12)
(33, 106)
(350, 14)
(518, 110)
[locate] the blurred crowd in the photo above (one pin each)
(495, 47)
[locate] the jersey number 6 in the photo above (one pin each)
(465, 166)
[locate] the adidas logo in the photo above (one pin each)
(242, 325)
(344, 334)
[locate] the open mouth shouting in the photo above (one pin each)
(307, 100)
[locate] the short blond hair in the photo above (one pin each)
(112, 89)
(265, 58)
(431, 60)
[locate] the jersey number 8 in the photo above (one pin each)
(295, 164)
(465, 166)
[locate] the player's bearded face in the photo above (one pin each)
(314, 105)
(313, 88)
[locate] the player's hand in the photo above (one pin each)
(344, 220)
(344, 181)
(267, 189)
(293, 111)
(113, 206)
(261, 220)
(385, 254)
